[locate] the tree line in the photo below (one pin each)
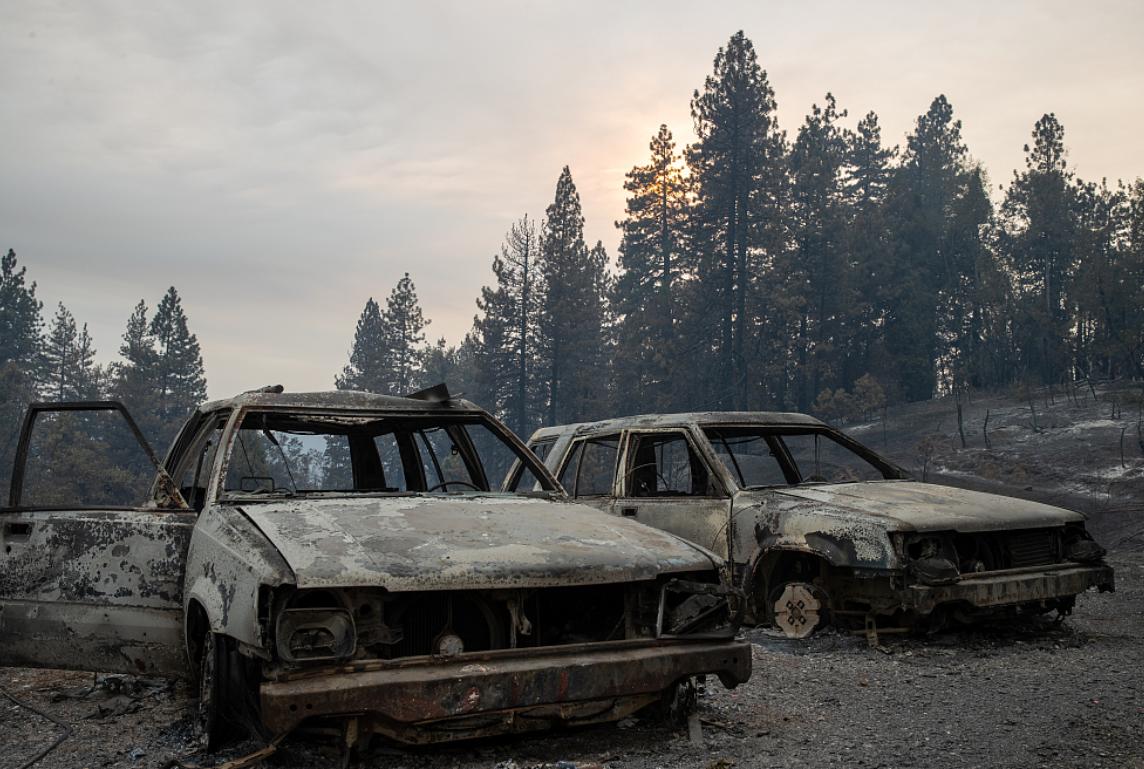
(829, 272)
(159, 376)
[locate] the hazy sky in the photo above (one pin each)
(281, 162)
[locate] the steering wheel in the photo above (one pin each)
(443, 484)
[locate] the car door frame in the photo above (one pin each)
(93, 587)
(605, 501)
(664, 512)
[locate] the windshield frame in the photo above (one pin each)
(773, 434)
(217, 493)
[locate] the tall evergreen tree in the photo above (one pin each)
(1101, 292)
(869, 170)
(133, 377)
(738, 164)
(404, 328)
(575, 310)
(930, 179)
(1131, 335)
(646, 289)
(369, 356)
(389, 346)
(507, 334)
(1040, 224)
(179, 378)
(21, 345)
(21, 327)
(816, 273)
(69, 370)
(971, 282)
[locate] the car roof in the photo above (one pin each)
(347, 400)
(775, 418)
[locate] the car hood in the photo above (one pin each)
(909, 505)
(466, 542)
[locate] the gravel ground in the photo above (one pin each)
(1032, 695)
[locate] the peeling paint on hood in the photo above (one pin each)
(910, 505)
(481, 541)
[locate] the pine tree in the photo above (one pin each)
(69, 360)
(444, 364)
(179, 379)
(21, 344)
(868, 251)
(369, 356)
(506, 333)
(575, 310)
(924, 188)
(1100, 291)
(1041, 231)
(971, 282)
(738, 164)
(403, 326)
(817, 274)
(21, 327)
(1131, 338)
(646, 289)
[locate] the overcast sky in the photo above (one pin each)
(281, 162)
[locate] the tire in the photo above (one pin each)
(215, 722)
(676, 703)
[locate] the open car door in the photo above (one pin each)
(91, 559)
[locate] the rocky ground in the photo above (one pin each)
(1008, 696)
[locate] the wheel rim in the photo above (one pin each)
(798, 610)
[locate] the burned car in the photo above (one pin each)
(816, 527)
(353, 556)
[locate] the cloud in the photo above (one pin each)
(281, 162)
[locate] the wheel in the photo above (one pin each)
(676, 703)
(208, 719)
(798, 609)
(222, 698)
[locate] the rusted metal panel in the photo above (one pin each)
(422, 543)
(229, 562)
(429, 690)
(1012, 588)
(93, 589)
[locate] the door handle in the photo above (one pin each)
(628, 512)
(17, 530)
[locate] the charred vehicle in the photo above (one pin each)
(816, 527)
(349, 555)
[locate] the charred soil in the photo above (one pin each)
(1027, 695)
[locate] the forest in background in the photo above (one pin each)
(825, 272)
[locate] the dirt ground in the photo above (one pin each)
(1008, 696)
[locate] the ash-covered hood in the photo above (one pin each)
(470, 542)
(908, 505)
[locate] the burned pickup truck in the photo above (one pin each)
(352, 556)
(816, 527)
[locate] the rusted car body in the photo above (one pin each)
(814, 526)
(352, 555)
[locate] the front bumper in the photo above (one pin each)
(422, 700)
(1011, 587)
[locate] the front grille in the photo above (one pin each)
(992, 551)
(1031, 548)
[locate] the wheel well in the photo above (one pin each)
(197, 625)
(775, 567)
